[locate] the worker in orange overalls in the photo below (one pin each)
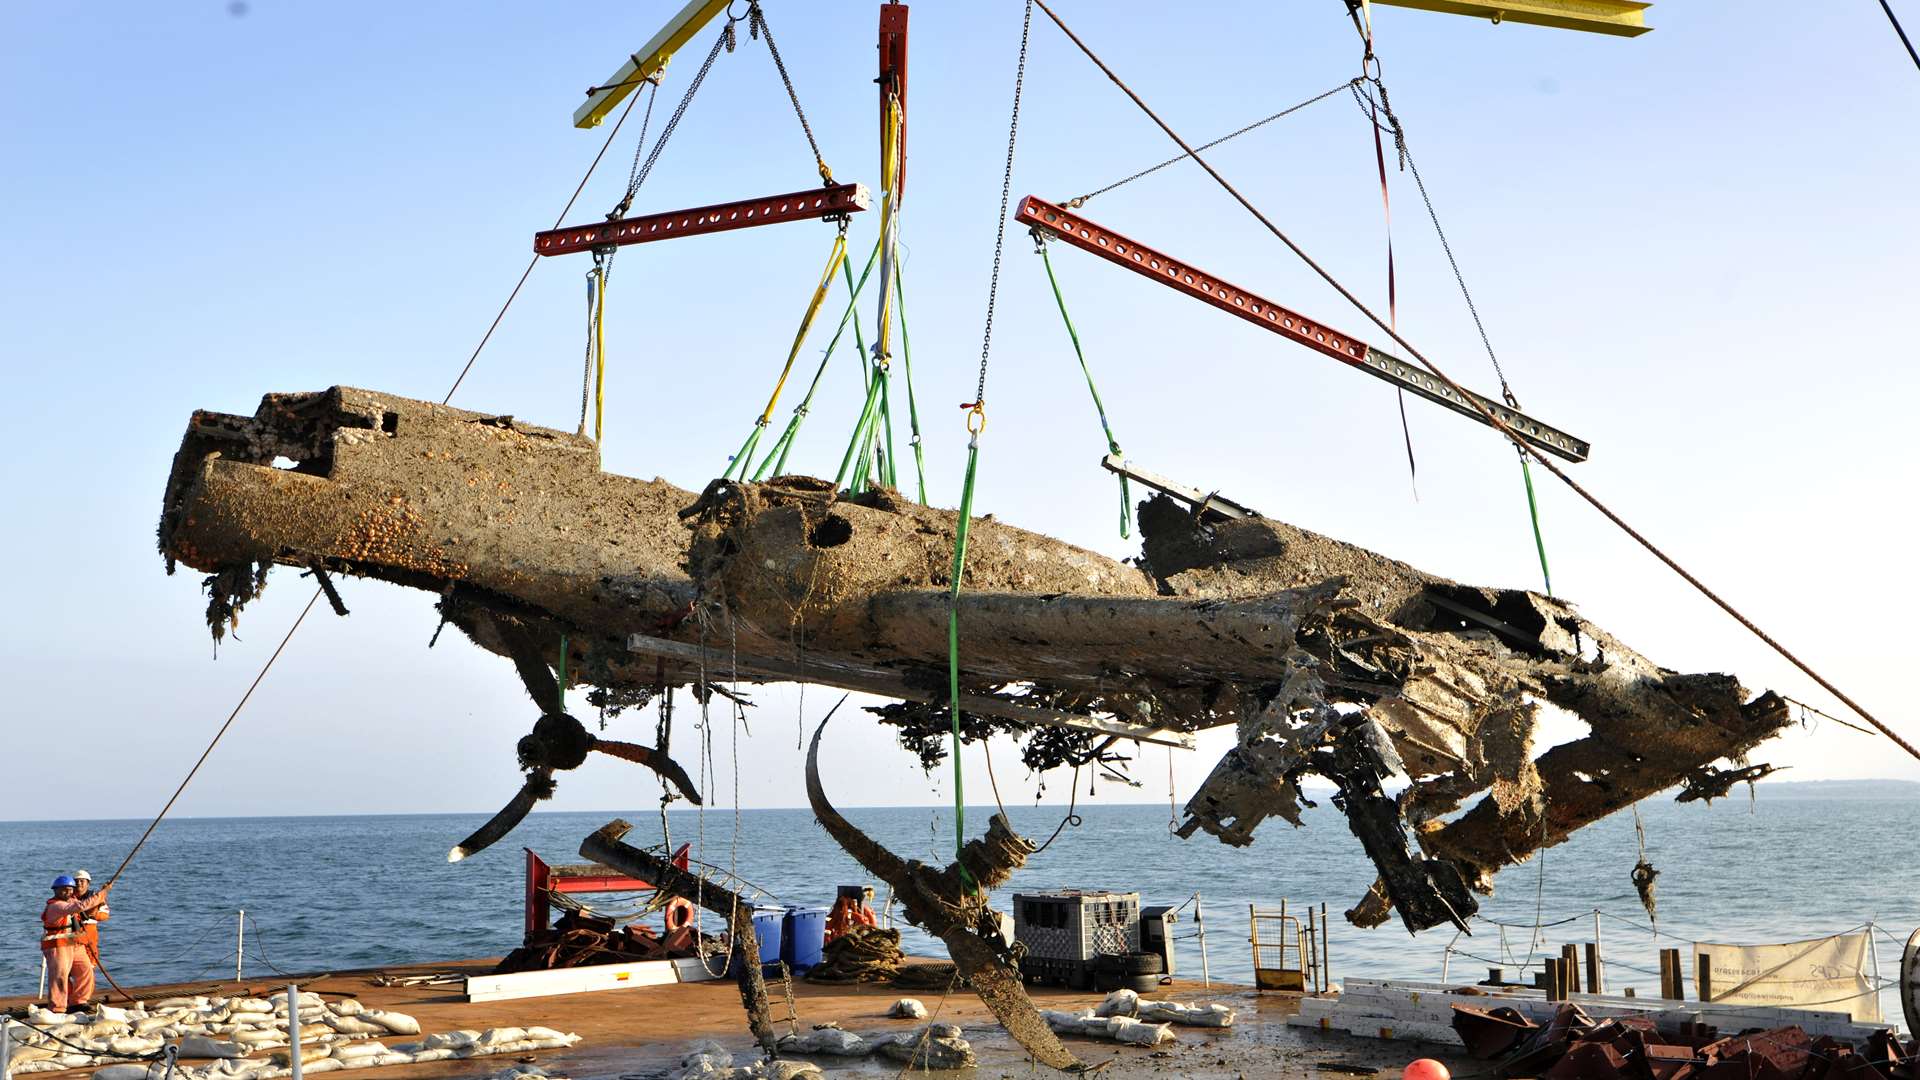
(69, 970)
(90, 925)
(850, 909)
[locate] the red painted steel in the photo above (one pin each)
(720, 217)
(893, 73)
(1197, 283)
(1078, 232)
(542, 882)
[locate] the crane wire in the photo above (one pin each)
(1902, 31)
(1485, 413)
(255, 685)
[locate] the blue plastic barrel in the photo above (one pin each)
(766, 926)
(805, 934)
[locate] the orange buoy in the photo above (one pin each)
(1426, 1069)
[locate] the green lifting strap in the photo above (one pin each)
(862, 441)
(775, 463)
(1113, 444)
(953, 644)
(906, 362)
(1533, 512)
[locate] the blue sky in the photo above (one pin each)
(1693, 248)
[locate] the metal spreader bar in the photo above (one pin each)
(720, 217)
(1077, 231)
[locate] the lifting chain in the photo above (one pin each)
(756, 27)
(979, 402)
(643, 168)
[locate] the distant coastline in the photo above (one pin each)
(1839, 789)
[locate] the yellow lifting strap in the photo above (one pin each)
(593, 379)
(600, 355)
(743, 458)
(834, 259)
(889, 235)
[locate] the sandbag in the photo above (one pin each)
(1212, 1014)
(256, 1037)
(830, 1041)
(1119, 1003)
(498, 1036)
(128, 1071)
(199, 1046)
(924, 1049)
(397, 1023)
(450, 1040)
(349, 1007)
(1125, 1029)
(359, 1051)
(708, 1060)
(908, 1009)
(777, 1070)
(308, 1052)
(353, 1025)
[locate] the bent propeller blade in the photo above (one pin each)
(539, 785)
(652, 759)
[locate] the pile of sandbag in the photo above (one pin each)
(1124, 1018)
(227, 1032)
(708, 1060)
(929, 1046)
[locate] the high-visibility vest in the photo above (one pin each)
(63, 929)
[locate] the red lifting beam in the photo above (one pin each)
(1183, 277)
(893, 73)
(542, 881)
(796, 206)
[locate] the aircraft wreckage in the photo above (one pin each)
(1328, 659)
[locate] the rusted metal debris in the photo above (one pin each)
(1308, 646)
(1573, 1046)
(951, 904)
(1710, 783)
(605, 846)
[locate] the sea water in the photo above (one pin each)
(326, 894)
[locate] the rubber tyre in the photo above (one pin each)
(1142, 984)
(1145, 963)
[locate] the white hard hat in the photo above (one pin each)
(82, 875)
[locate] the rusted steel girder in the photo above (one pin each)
(837, 200)
(1183, 277)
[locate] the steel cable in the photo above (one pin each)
(1486, 413)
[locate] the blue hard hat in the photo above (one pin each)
(64, 881)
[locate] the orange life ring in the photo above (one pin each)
(679, 913)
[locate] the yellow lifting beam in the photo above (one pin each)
(1621, 18)
(642, 65)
